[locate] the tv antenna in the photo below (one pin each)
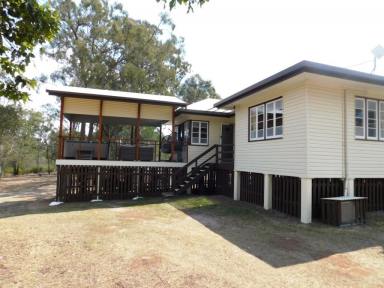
(377, 52)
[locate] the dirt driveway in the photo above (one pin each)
(185, 242)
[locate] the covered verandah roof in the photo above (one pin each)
(107, 107)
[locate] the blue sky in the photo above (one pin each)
(237, 43)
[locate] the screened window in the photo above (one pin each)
(199, 133)
(256, 120)
(371, 119)
(360, 118)
(266, 120)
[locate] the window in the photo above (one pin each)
(359, 118)
(381, 120)
(256, 120)
(275, 119)
(371, 119)
(266, 120)
(199, 133)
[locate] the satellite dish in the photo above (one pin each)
(377, 52)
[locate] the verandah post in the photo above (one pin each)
(61, 143)
(173, 143)
(137, 133)
(100, 138)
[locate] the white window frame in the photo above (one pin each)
(364, 119)
(255, 109)
(199, 142)
(367, 120)
(381, 112)
(274, 136)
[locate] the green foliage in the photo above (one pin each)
(99, 46)
(195, 89)
(26, 137)
(23, 25)
(189, 3)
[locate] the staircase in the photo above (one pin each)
(196, 169)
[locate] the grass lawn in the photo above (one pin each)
(184, 242)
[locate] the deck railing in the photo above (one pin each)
(123, 149)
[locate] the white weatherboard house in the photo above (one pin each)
(318, 123)
(308, 132)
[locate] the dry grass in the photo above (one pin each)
(187, 242)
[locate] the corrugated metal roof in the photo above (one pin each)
(207, 105)
(92, 93)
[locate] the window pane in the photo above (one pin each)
(359, 117)
(195, 140)
(372, 123)
(204, 140)
(381, 120)
(279, 122)
(359, 131)
(359, 104)
(270, 123)
(372, 118)
(270, 132)
(260, 133)
(279, 131)
(359, 122)
(371, 132)
(371, 105)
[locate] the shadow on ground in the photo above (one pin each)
(270, 236)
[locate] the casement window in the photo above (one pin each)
(381, 120)
(274, 119)
(360, 118)
(199, 133)
(256, 120)
(369, 119)
(372, 119)
(266, 120)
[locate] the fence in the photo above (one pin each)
(84, 183)
(252, 188)
(373, 189)
(324, 188)
(286, 194)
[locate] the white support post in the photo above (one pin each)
(267, 191)
(350, 187)
(306, 200)
(236, 185)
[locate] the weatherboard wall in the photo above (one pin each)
(284, 156)
(214, 133)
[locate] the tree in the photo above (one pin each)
(99, 46)
(189, 3)
(23, 25)
(10, 120)
(195, 89)
(48, 133)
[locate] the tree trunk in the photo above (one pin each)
(48, 161)
(15, 168)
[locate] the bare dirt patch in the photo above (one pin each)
(186, 242)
